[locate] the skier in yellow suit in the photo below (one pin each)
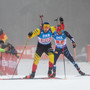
(44, 45)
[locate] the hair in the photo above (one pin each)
(45, 23)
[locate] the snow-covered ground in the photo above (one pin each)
(73, 80)
(71, 83)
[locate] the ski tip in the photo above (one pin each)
(87, 74)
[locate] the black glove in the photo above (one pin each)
(61, 19)
(50, 50)
(30, 34)
(74, 44)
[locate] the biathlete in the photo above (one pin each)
(44, 45)
(60, 36)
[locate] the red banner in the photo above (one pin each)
(8, 64)
(30, 51)
(88, 52)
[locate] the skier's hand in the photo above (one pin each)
(74, 44)
(29, 34)
(61, 20)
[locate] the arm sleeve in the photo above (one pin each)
(69, 36)
(35, 33)
(2, 50)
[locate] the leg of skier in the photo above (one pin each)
(34, 66)
(50, 53)
(38, 54)
(68, 56)
(56, 55)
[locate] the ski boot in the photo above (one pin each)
(31, 76)
(54, 70)
(50, 73)
(81, 73)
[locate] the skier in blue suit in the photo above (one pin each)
(60, 36)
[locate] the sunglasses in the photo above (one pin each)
(46, 25)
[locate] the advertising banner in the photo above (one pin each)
(8, 64)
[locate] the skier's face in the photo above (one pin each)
(59, 32)
(46, 28)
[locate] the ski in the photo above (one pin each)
(49, 78)
(87, 74)
(30, 79)
(83, 75)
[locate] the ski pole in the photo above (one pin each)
(20, 57)
(75, 53)
(64, 64)
(41, 16)
(56, 20)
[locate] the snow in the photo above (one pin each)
(71, 83)
(73, 80)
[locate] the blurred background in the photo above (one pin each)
(18, 17)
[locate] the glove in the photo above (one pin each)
(61, 20)
(29, 34)
(74, 44)
(50, 50)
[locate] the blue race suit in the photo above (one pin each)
(60, 41)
